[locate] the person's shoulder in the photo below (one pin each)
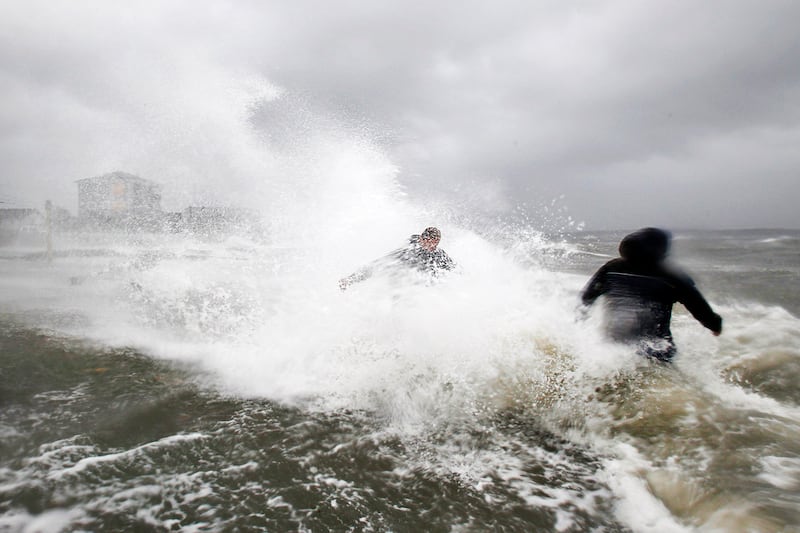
(445, 255)
(677, 275)
(618, 264)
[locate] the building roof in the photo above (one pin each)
(119, 175)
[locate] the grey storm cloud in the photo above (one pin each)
(670, 113)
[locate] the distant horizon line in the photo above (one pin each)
(5, 204)
(690, 229)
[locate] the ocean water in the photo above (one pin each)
(179, 383)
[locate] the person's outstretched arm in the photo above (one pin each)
(359, 275)
(694, 302)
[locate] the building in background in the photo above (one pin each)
(119, 199)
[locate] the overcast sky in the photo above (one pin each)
(674, 113)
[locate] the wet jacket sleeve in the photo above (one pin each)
(694, 302)
(366, 272)
(596, 286)
(357, 276)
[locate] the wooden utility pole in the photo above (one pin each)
(48, 210)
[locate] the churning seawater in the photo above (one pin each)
(164, 382)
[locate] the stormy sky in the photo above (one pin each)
(682, 114)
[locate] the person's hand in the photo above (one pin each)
(343, 284)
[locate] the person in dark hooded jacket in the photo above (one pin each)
(639, 291)
(422, 254)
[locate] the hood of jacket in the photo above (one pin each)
(647, 245)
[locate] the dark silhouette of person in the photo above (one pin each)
(422, 254)
(640, 288)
